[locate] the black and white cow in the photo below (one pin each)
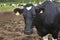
(29, 14)
(47, 22)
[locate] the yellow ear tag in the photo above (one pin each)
(17, 13)
(41, 11)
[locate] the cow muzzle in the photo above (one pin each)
(27, 32)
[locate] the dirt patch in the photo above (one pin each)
(12, 27)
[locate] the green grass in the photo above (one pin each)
(6, 8)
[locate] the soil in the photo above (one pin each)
(12, 28)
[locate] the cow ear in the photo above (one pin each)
(40, 11)
(18, 11)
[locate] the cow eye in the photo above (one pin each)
(41, 11)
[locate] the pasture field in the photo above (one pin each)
(6, 8)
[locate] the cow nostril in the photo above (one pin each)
(28, 32)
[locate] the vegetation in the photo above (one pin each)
(23, 1)
(6, 8)
(10, 8)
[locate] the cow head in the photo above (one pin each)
(29, 14)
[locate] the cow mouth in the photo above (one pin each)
(28, 32)
(28, 26)
(28, 29)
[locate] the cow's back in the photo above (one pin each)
(50, 13)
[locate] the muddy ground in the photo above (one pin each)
(12, 28)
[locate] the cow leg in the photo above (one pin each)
(54, 39)
(55, 35)
(45, 37)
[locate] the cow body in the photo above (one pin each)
(46, 23)
(49, 21)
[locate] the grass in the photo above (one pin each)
(6, 8)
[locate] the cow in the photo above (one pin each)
(29, 14)
(46, 22)
(49, 22)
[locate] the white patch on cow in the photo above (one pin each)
(17, 13)
(28, 8)
(54, 39)
(45, 37)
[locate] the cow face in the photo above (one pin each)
(29, 14)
